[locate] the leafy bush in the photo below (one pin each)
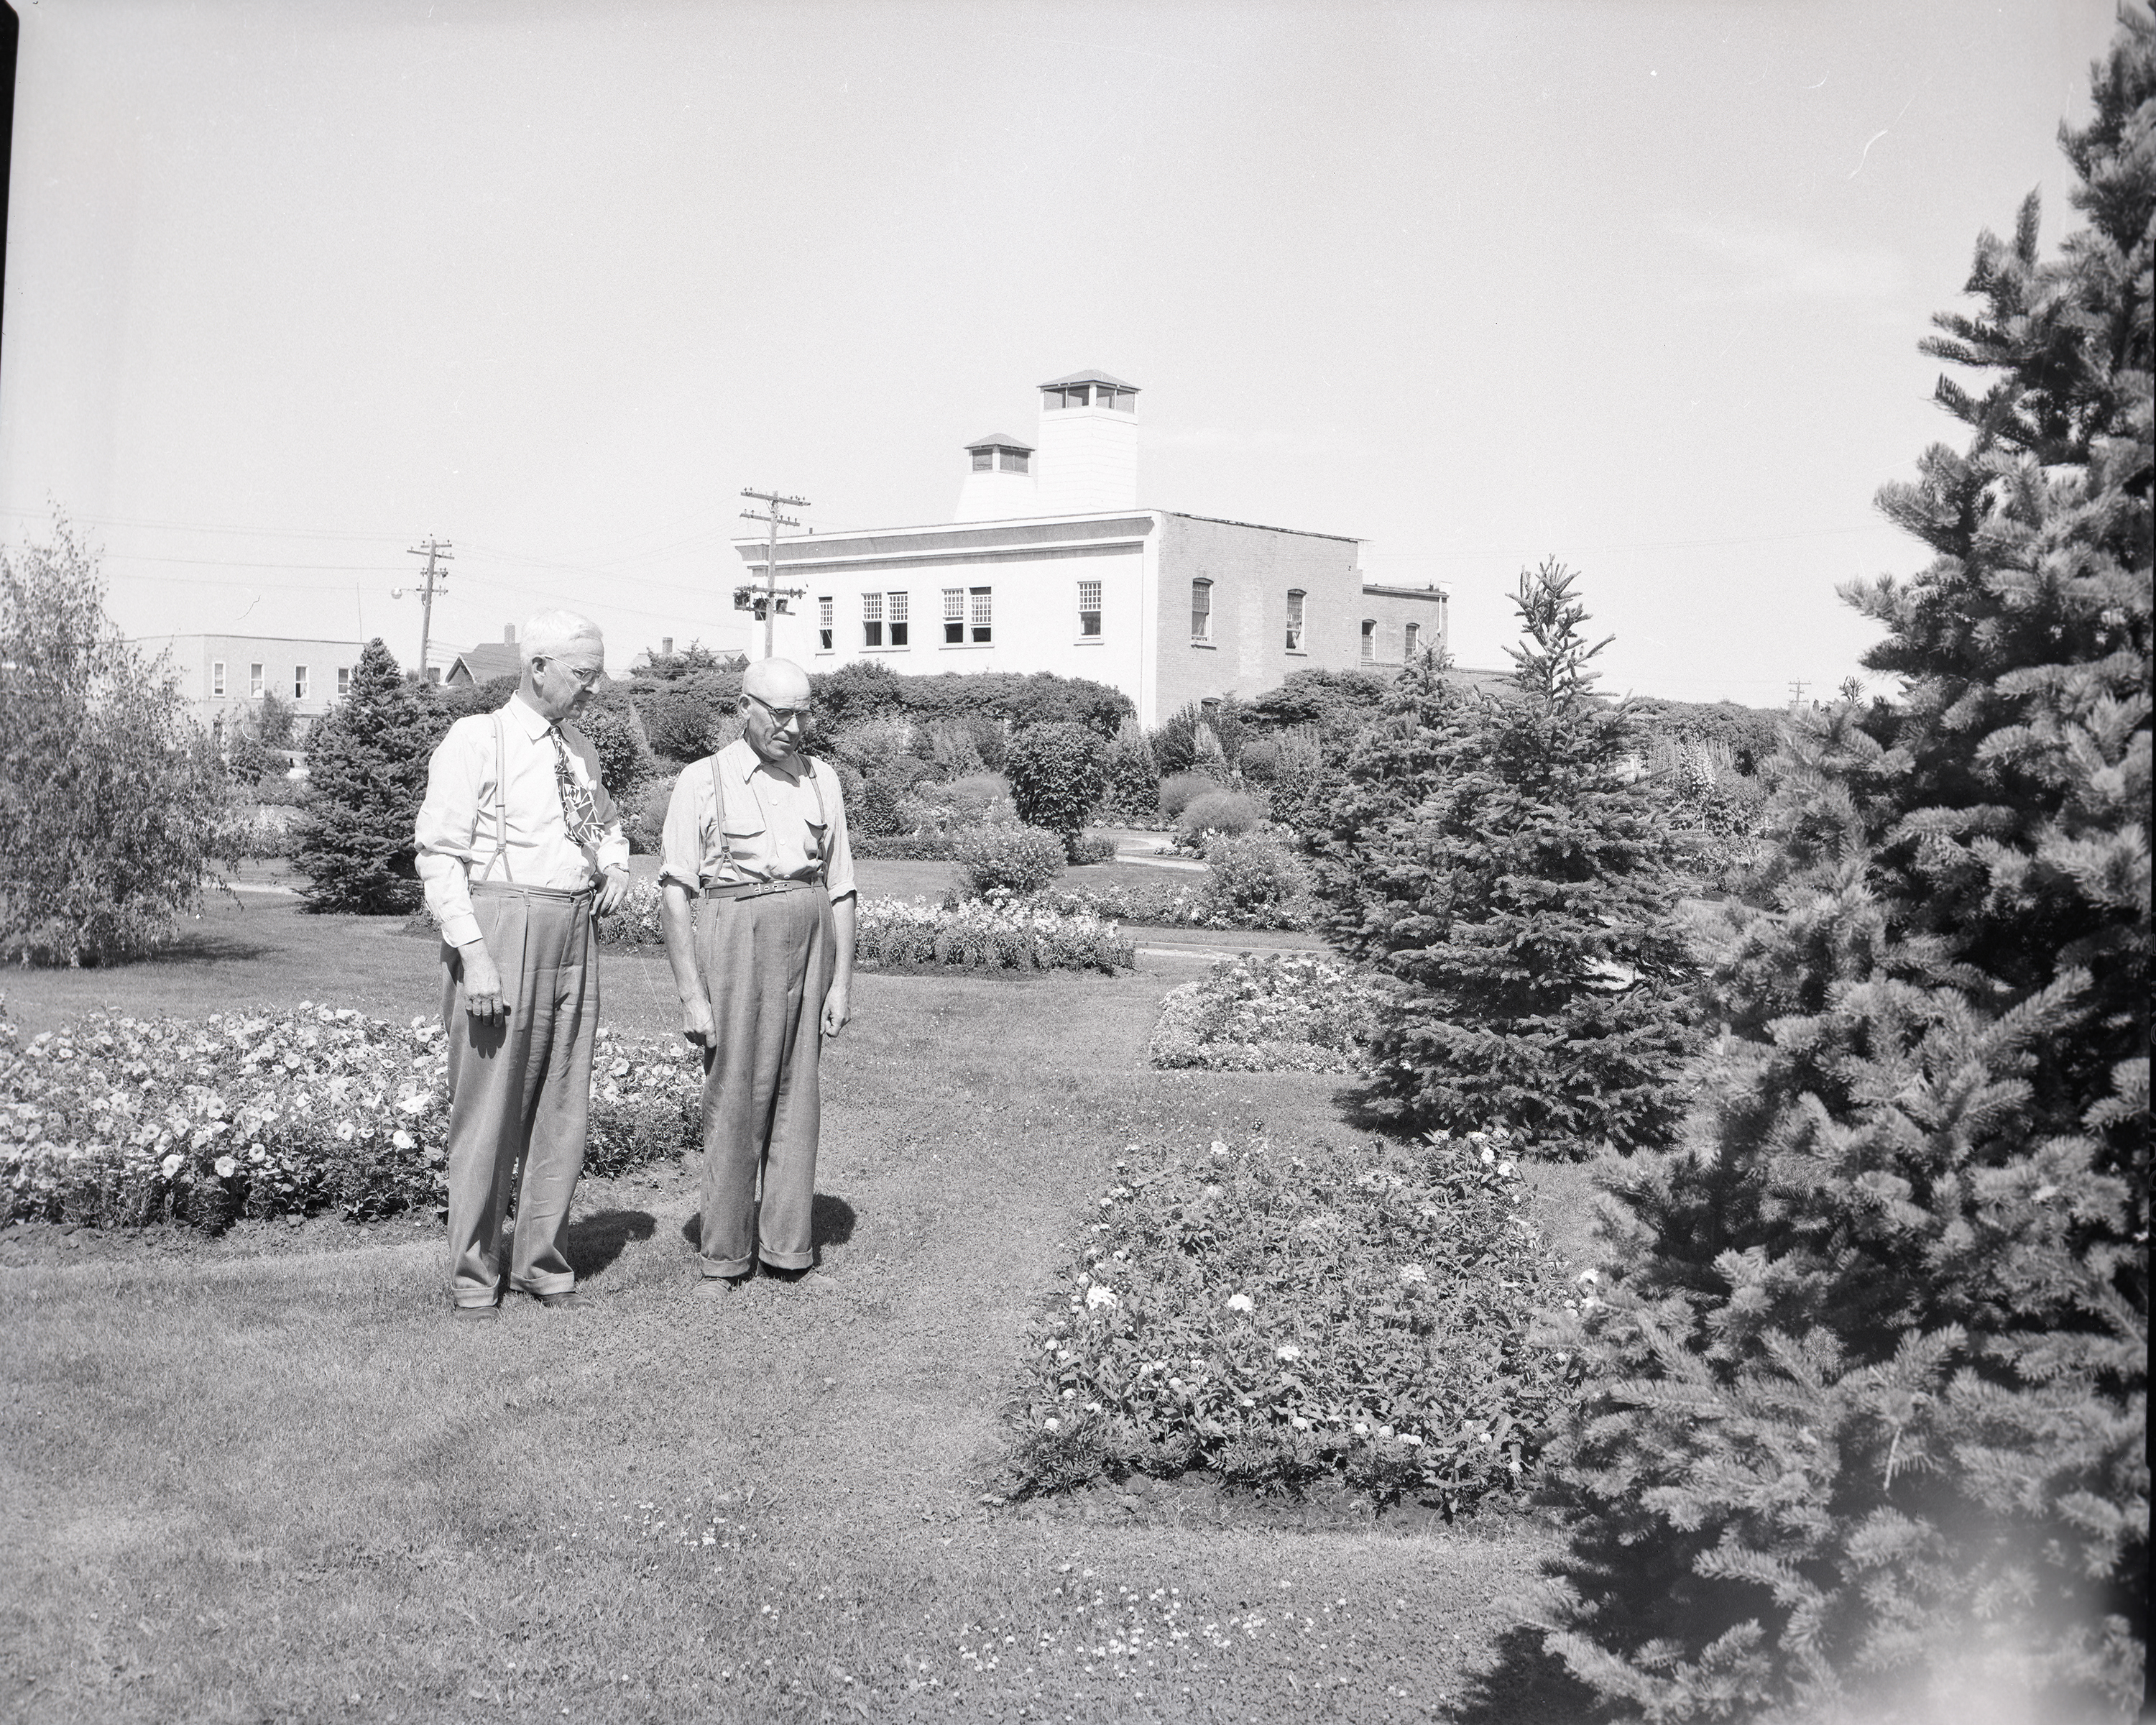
(1289, 767)
(687, 720)
(110, 801)
(986, 702)
(1260, 880)
(624, 759)
(1130, 788)
(1278, 1320)
(256, 833)
(1056, 774)
(1001, 859)
(1178, 790)
(1090, 848)
(1275, 1012)
(1218, 811)
(275, 791)
(979, 934)
(1865, 1431)
(1200, 738)
(117, 1121)
(368, 778)
(1338, 703)
(1499, 858)
(643, 812)
(908, 847)
(974, 798)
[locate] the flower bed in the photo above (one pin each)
(1168, 906)
(118, 1121)
(988, 934)
(1277, 1322)
(1274, 1012)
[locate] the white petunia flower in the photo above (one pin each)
(1413, 1272)
(401, 1139)
(226, 1167)
(1051, 1425)
(171, 1165)
(1098, 1296)
(1287, 1350)
(1240, 1302)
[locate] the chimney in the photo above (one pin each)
(666, 646)
(509, 634)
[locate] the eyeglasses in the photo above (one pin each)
(783, 716)
(588, 676)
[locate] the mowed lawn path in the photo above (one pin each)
(267, 1478)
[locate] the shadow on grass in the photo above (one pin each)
(831, 1224)
(203, 946)
(599, 1240)
(1527, 1685)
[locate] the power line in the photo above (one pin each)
(434, 551)
(768, 605)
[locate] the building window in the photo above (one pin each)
(254, 681)
(1093, 395)
(1012, 460)
(823, 623)
(872, 619)
(1414, 640)
(983, 459)
(1089, 607)
(1369, 640)
(895, 609)
(298, 682)
(1201, 609)
(344, 681)
(983, 617)
(217, 676)
(1294, 597)
(954, 616)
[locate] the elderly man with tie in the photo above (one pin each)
(756, 835)
(517, 838)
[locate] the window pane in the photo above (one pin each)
(1413, 637)
(1201, 610)
(898, 611)
(983, 459)
(298, 682)
(982, 614)
(871, 607)
(954, 603)
(1014, 461)
(1369, 638)
(823, 610)
(1089, 607)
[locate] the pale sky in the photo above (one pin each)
(291, 286)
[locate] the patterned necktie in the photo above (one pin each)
(579, 812)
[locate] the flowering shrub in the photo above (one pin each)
(1219, 811)
(1276, 1320)
(1260, 878)
(1167, 905)
(1011, 859)
(1276, 1012)
(636, 922)
(999, 933)
(120, 1120)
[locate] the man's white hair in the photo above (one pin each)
(553, 632)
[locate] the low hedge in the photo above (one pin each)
(987, 934)
(1271, 1012)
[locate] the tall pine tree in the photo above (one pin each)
(366, 777)
(1499, 858)
(1864, 1424)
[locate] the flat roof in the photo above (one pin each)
(1087, 377)
(757, 541)
(1432, 591)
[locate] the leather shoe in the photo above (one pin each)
(475, 1314)
(719, 1287)
(554, 1302)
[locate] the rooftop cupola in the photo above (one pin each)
(1089, 445)
(999, 483)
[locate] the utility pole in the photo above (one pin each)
(436, 552)
(766, 605)
(1796, 687)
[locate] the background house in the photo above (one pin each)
(487, 660)
(1051, 564)
(224, 677)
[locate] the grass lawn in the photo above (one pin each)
(266, 1477)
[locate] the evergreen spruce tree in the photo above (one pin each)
(367, 776)
(1864, 1423)
(1497, 857)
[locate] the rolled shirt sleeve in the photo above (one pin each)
(449, 819)
(839, 876)
(685, 843)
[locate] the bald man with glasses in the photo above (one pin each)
(758, 909)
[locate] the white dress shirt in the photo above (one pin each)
(470, 813)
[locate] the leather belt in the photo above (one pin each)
(503, 888)
(755, 889)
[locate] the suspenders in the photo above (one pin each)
(822, 817)
(500, 810)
